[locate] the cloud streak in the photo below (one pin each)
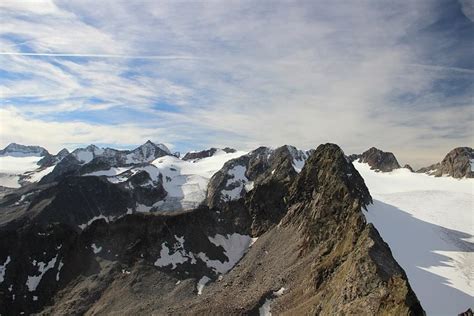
(242, 73)
(157, 57)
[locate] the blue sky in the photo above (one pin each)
(396, 75)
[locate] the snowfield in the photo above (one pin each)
(428, 223)
(12, 166)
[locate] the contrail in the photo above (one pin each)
(163, 57)
(444, 68)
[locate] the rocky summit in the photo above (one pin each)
(458, 163)
(377, 159)
(280, 229)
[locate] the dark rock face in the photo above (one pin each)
(143, 190)
(77, 200)
(206, 153)
(14, 149)
(68, 166)
(379, 160)
(50, 160)
(407, 166)
(313, 240)
(458, 163)
(40, 261)
(469, 312)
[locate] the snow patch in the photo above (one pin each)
(238, 181)
(3, 269)
(93, 219)
(38, 175)
(235, 246)
(109, 172)
(33, 281)
(60, 266)
(264, 310)
(96, 249)
(179, 255)
(201, 283)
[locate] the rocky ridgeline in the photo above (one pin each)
(18, 150)
(206, 153)
(458, 163)
(314, 247)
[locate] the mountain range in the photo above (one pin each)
(221, 231)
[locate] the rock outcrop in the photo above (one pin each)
(194, 155)
(458, 163)
(407, 166)
(379, 160)
(51, 160)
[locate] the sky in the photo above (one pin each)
(397, 75)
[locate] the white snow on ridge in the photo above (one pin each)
(107, 219)
(109, 172)
(239, 182)
(3, 269)
(428, 223)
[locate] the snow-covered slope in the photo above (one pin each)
(429, 224)
(11, 167)
(184, 181)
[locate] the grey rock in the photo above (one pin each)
(379, 160)
(458, 163)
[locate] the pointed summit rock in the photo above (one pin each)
(458, 163)
(379, 160)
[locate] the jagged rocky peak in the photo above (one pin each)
(326, 207)
(328, 172)
(50, 160)
(194, 155)
(240, 175)
(18, 150)
(379, 160)
(85, 155)
(147, 152)
(458, 163)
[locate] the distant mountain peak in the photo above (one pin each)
(19, 150)
(150, 144)
(458, 163)
(378, 159)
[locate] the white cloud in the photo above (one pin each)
(259, 74)
(55, 135)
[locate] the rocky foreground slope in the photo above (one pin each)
(269, 236)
